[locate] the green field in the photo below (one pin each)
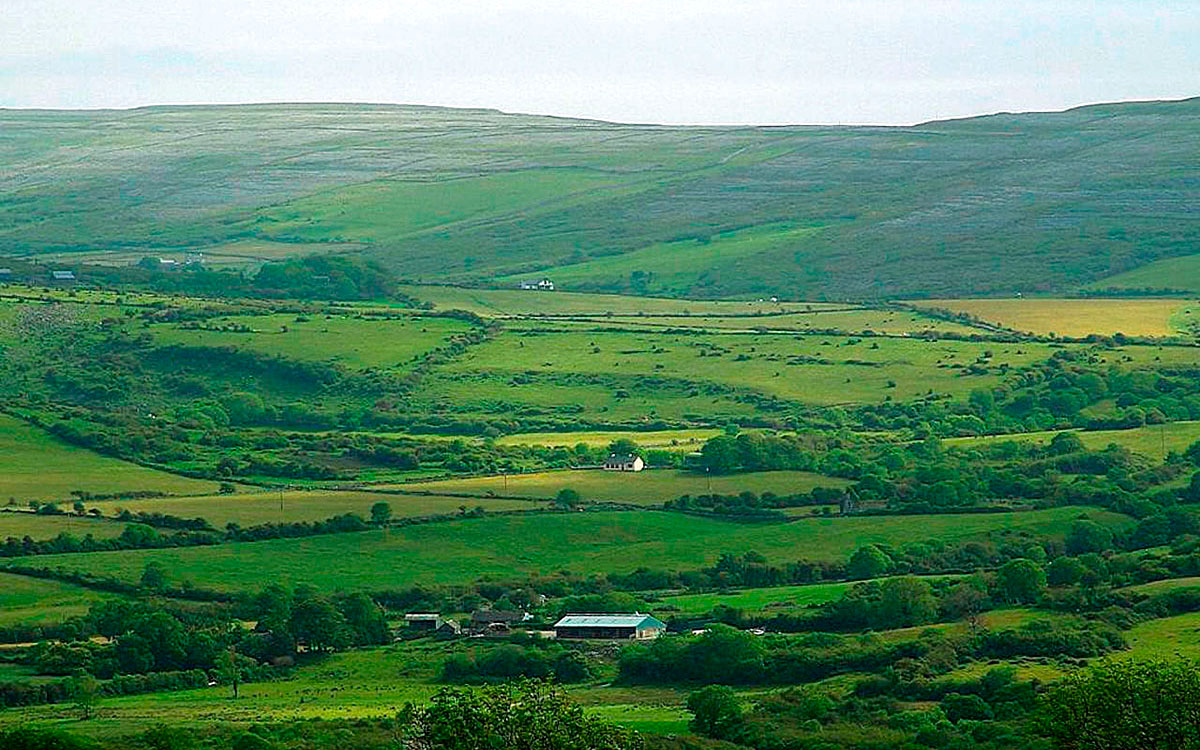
(677, 440)
(27, 600)
(771, 598)
(36, 466)
(1180, 274)
(1148, 441)
(1073, 317)
(507, 547)
(1164, 638)
(20, 524)
(356, 343)
(650, 487)
(252, 509)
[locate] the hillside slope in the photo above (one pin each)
(990, 205)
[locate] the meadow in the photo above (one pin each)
(252, 509)
(1180, 274)
(650, 487)
(36, 601)
(356, 343)
(1072, 317)
(673, 440)
(24, 523)
(1153, 441)
(507, 547)
(36, 466)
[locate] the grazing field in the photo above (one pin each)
(811, 369)
(297, 505)
(1158, 587)
(357, 684)
(773, 597)
(1163, 638)
(22, 523)
(38, 602)
(1179, 274)
(356, 343)
(1149, 441)
(843, 320)
(1071, 317)
(517, 302)
(36, 466)
(507, 547)
(678, 440)
(651, 487)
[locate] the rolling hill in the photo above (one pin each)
(993, 205)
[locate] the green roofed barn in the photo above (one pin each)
(610, 627)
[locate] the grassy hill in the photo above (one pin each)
(990, 205)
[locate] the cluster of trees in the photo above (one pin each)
(524, 657)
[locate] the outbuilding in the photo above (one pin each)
(624, 462)
(423, 621)
(610, 627)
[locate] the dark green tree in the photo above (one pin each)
(716, 712)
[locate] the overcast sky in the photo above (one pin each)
(687, 61)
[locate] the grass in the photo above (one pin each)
(812, 369)
(513, 546)
(1149, 441)
(297, 505)
(1164, 637)
(36, 466)
(1072, 317)
(33, 601)
(1182, 274)
(1157, 587)
(20, 524)
(680, 440)
(651, 487)
(356, 343)
(774, 597)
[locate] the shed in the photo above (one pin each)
(62, 275)
(610, 627)
(423, 621)
(624, 462)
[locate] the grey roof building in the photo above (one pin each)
(610, 627)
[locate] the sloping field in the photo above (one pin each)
(506, 547)
(676, 440)
(1153, 441)
(36, 466)
(1072, 317)
(1181, 274)
(1034, 203)
(38, 602)
(651, 487)
(294, 505)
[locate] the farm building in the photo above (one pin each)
(62, 276)
(545, 285)
(623, 462)
(423, 621)
(448, 628)
(610, 627)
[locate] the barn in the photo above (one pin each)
(610, 627)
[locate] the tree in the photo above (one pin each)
(1021, 581)
(232, 668)
(1125, 705)
(527, 715)
(318, 624)
(381, 513)
(567, 498)
(85, 688)
(720, 455)
(1192, 453)
(906, 601)
(1065, 571)
(868, 562)
(1065, 443)
(154, 576)
(625, 445)
(1088, 536)
(716, 712)
(80, 508)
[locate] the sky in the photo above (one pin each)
(685, 61)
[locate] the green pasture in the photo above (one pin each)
(358, 343)
(23, 523)
(1164, 637)
(36, 466)
(1158, 587)
(250, 509)
(650, 487)
(896, 322)
(517, 302)
(675, 440)
(1182, 274)
(33, 601)
(1148, 441)
(813, 369)
(771, 598)
(1071, 317)
(508, 547)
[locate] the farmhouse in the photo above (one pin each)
(610, 627)
(623, 462)
(424, 621)
(545, 285)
